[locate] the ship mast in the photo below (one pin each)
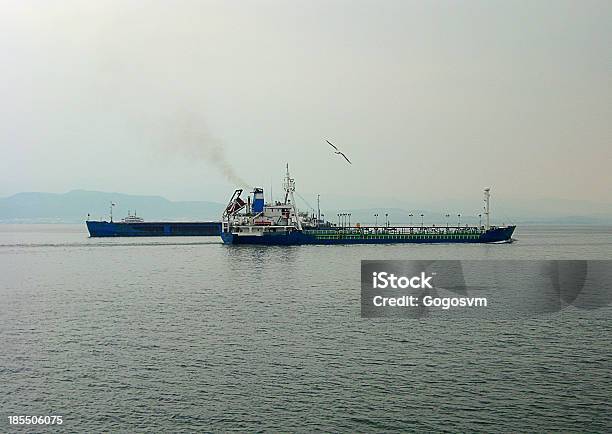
(487, 211)
(318, 209)
(289, 186)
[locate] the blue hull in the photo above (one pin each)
(299, 238)
(153, 229)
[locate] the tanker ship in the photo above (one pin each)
(280, 223)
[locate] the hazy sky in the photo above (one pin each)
(430, 99)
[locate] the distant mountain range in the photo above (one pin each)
(73, 207)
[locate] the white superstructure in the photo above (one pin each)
(254, 217)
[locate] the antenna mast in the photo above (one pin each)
(289, 186)
(487, 197)
(318, 209)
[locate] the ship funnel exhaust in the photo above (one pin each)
(258, 200)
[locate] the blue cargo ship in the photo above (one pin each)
(134, 226)
(280, 223)
(153, 229)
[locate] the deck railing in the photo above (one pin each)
(398, 232)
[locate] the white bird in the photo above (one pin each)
(337, 151)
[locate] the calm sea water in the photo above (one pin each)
(186, 334)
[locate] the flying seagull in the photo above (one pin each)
(337, 151)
